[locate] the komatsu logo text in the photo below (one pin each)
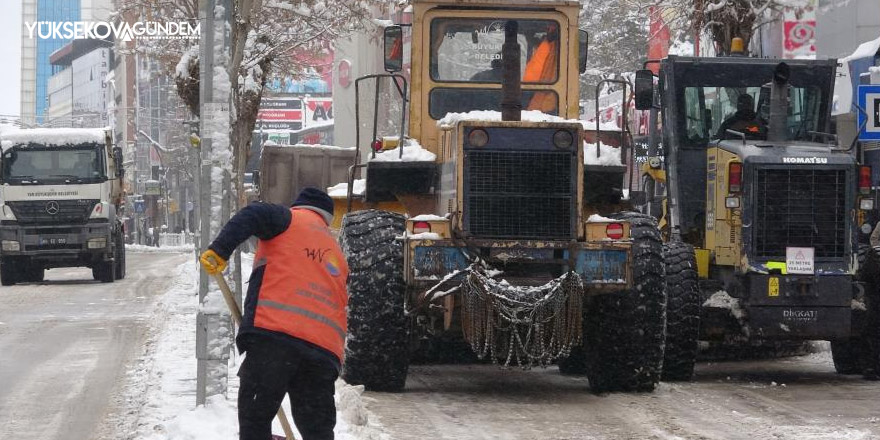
(805, 160)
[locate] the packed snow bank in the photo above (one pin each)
(608, 155)
(142, 249)
(341, 189)
(603, 126)
(53, 136)
(412, 152)
(161, 388)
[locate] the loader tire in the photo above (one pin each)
(682, 312)
(377, 346)
(624, 331)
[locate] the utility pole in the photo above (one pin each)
(214, 329)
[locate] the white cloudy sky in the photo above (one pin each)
(10, 57)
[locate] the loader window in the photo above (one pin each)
(469, 50)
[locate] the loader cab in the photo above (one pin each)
(456, 59)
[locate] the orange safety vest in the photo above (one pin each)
(303, 289)
(541, 68)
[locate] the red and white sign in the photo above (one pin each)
(799, 260)
(319, 111)
(799, 32)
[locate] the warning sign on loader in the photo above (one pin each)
(799, 260)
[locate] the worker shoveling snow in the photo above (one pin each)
(161, 388)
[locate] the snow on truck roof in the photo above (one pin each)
(52, 136)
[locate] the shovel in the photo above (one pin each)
(236, 317)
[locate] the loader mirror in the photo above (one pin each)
(393, 49)
(583, 49)
(644, 89)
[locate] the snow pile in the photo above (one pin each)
(608, 155)
(596, 218)
(492, 115)
(424, 236)
(162, 387)
(603, 126)
(428, 218)
(142, 249)
(341, 189)
(412, 152)
(53, 136)
(866, 49)
(723, 300)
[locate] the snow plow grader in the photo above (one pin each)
(752, 180)
(492, 228)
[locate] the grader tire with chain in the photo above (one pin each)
(624, 332)
(861, 354)
(847, 354)
(682, 312)
(377, 347)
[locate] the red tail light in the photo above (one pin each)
(865, 179)
(419, 227)
(614, 231)
(734, 177)
(377, 145)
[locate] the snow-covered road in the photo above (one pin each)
(66, 343)
(795, 398)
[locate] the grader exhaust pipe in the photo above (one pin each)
(511, 82)
(777, 130)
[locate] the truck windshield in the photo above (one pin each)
(37, 164)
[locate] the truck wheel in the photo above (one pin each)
(682, 312)
(377, 347)
(624, 331)
(120, 256)
(104, 271)
(8, 272)
(34, 275)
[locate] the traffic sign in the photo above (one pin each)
(869, 101)
(139, 206)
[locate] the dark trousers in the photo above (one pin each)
(272, 369)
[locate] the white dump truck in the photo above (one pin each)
(60, 190)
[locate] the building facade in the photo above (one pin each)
(842, 26)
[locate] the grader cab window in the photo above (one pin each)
(469, 51)
(712, 112)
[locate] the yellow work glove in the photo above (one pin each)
(212, 262)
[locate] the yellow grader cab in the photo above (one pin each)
(756, 184)
(487, 230)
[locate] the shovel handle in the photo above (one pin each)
(236, 317)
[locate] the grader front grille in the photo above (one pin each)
(800, 208)
(520, 194)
